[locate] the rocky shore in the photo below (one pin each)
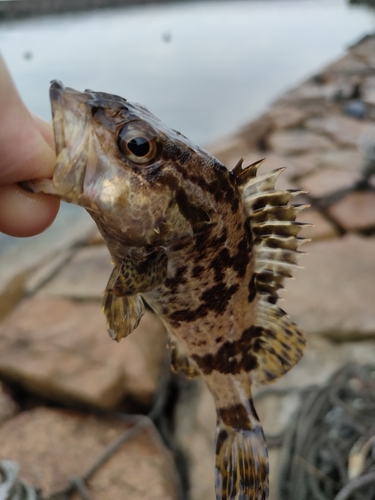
(15, 9)
(67, 391)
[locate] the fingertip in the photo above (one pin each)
(25, 214)
(45, 129)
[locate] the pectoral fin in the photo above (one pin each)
(133, 276)
(122, 303)
(123, 313)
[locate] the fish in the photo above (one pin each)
(206, 248)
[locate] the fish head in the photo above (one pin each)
(134, 175)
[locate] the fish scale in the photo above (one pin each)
(208, 250)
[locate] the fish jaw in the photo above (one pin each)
(72, 133)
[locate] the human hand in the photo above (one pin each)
(26, 153)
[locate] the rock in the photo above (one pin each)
(355, 212)
(320, 227)
(44, 273)
(229, 150)
(296, 141)
(368, 90)
(284, 117)
(195, 430)
(60, 349)
(84, 277)
(342, 129)
(334, 294)
(52, 446)
(255, 133)
(348, 64)
(327, 181)
(364, 51)
(8, 407)
(342, 159)
(17, 264)
(310, 91)
(300, 165)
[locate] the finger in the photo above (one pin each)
(23, 213)
(45, 129)
(24, 151)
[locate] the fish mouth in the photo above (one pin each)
(71, 125)
(55, 93)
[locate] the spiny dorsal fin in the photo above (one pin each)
(279, 343)
(243, 175)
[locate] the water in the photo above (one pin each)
(205, 68)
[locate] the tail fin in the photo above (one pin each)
(241, 471)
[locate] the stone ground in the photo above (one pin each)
(65, 386)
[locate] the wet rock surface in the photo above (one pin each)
(52, 447)
(55, 353)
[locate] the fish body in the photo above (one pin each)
(207, 249)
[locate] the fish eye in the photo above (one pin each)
(138, 144)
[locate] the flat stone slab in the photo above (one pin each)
(19, 263)
(334, 294)
(297, 141)
(8, 407)
(85, 276)
(284, 117)
(195, 430)
(327, 181)
(341, 159)
(355, 212)
(60, 349)
(52, 446)
(342, 129)
(320, 228)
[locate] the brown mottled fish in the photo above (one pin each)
(208, 249)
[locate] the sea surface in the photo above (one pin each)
(205, 68)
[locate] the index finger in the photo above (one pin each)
(24, 151)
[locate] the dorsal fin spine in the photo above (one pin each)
(243, 175)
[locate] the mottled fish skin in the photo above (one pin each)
(207, 249)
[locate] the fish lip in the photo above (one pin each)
(56, 91)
